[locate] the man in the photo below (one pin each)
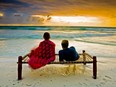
(67, 54)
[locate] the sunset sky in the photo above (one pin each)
(58, 12)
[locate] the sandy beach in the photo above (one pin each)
(54, 75)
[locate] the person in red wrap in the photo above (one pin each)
(43, 54)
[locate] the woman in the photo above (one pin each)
(43, 54)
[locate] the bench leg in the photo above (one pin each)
(94, 67)
(19, 67)
(84, 57)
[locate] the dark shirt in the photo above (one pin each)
(68, 54)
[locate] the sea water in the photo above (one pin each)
(19, 40)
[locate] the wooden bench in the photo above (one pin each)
(84, 59)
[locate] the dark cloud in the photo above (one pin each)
(12, 2)
(48, 6)
(60, 7)
(10, 6)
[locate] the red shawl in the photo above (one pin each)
(42, 55)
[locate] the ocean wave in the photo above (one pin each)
(103, 43)
(58, 32)
(38, 35)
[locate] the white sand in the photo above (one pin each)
(54, 75)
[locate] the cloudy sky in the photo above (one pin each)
(58, 12)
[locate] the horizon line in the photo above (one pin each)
(21, 25)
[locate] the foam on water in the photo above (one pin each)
(15, 41)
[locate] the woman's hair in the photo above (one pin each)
(65, 43)
(46, 36)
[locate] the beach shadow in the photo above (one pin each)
(56, 70)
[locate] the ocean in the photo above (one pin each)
(19, 40)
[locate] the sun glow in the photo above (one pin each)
(1, 14)
(74, 19)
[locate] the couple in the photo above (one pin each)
(45, 53)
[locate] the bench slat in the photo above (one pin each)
(72, 62)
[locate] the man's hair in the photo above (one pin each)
(65, 43)
(46, 36)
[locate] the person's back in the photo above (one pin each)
(46, 49)
(43, 54)
(67, 54)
